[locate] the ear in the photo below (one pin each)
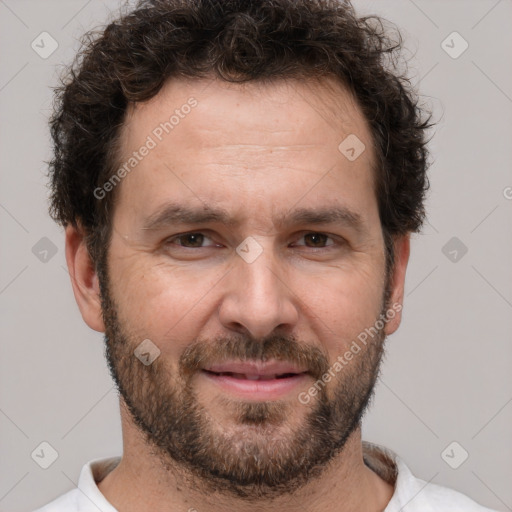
(401, 247)
(84, 279)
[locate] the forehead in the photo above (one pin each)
(275, 140)
(297, 107)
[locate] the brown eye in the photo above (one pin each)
(316, 239)
(190, 240)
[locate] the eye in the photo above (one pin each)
(316, 240)
(199, 240)
(193, 240)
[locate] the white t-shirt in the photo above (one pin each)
(411, 494)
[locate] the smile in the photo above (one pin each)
(256, 381)
(253, 376)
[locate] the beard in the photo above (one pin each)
(258, 453)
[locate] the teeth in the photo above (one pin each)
(255, 376)
(252, 376)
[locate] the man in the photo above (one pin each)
(238, 181)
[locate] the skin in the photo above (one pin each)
(258, 151)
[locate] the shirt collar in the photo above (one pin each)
(90, 497)
(379, 459)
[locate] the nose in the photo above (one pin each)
(259, 299)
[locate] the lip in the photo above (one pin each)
(239, 378)
(256, 368)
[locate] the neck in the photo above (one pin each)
(140, 482)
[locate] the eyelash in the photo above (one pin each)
(336, 240)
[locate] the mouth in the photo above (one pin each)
(252, 376)
(256, 381)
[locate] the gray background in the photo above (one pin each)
(447, 374)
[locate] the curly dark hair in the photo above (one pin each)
(238, 41)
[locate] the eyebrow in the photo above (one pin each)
(173, 214)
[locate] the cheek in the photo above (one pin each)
(172, 305)
(342, 304)
(164, 303)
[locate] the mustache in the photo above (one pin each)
(245, 348)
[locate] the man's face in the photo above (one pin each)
(248, 314)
